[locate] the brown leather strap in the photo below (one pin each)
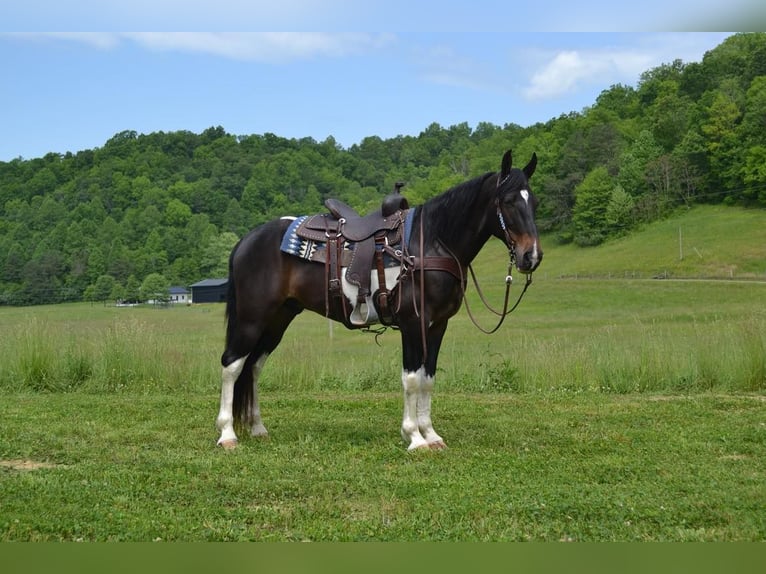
(433, 263)
(383, 292)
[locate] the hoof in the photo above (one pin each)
(438, 445)
(229, 444)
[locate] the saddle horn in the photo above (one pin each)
(395, 201)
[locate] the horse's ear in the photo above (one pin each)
(505, 166)
(529, 169)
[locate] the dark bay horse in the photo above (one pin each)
(268, 288)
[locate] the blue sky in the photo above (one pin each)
(71, 91)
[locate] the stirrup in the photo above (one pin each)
(362, 314)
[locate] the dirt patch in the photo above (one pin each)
(24, 464)
(734, 457)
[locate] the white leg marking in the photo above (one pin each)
(410, 427)
(254, 413)
(424, 413)
(225, 420)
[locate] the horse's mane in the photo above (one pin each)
(440, 214)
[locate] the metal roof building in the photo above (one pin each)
(209, 291)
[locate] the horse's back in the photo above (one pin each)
(262, 239)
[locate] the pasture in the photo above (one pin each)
(630, 409)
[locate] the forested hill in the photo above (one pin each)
(169, 206)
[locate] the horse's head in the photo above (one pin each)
(516, 205)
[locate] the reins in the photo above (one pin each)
(506, 311)
(508, 281)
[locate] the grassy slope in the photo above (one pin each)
(716, 241)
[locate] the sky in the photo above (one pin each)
(69, 91)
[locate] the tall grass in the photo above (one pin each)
(55, 349)
(613, 337)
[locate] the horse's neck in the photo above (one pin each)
(475, 225)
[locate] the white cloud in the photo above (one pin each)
(571, 69)
(255, 46)
(260, 46)
(563, 72)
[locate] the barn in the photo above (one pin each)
(209, 291)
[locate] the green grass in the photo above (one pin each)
(715, 241)
(609, 409)
(565, 466)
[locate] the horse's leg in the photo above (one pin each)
(254, 410)
(434, 340)
(418, 383)
(268, 342)
(241, 371)
(246, 368)
(225, 420)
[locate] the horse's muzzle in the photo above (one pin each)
(530, 259)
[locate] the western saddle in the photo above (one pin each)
(358, 243)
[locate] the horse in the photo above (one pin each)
(268, 288)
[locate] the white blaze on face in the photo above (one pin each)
(525, 194)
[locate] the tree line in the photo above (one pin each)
(168, 207)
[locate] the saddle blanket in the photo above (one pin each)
(298, 246)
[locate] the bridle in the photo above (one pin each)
(511, 245)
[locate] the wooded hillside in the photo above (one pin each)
(168, 207)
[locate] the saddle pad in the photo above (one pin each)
(298, 246)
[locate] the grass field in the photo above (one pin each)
(564, 466)
(604, 409)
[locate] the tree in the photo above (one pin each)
(155, 288)
(635, 161)
(723, 147)
(592, 198)
(754, 174)
(117, 293)
(163, 202)
(41, 278)
(102, 288)
(132, 290)
(177, 213)
(619, 211)
(668, 114)
(215, 262)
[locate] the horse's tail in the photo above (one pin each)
(231, 302)
(243, 387)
